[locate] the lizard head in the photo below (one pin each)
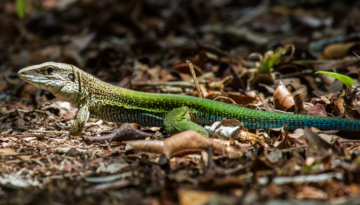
(59, 78)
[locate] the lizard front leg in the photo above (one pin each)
(178, 120)
(79, 123)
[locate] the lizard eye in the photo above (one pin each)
(71, 76)
(49, 70)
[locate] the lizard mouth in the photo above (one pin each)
(22, 75)
(29, 78)
(26, 77)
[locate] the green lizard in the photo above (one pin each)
(175, 113)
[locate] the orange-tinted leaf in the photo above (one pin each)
(283, 99)
(7, 151)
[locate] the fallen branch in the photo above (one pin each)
(185, 142)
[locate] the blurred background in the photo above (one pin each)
(106, 37)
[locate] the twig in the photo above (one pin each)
(293, 148)
(26, 111)
(15, 154)
(37, 161)
(23, 136)
(350, 141)
(108, 145)
(191, 66)
(13, 161)
(49, 160)
(44, 131)
(108, 186)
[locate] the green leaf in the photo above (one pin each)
(343, 78)
(20, 8)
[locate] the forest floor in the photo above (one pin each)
(257, 54)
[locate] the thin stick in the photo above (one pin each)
(257, 93)
(356, 54)
(50, 161)
(44, 131)
(16, 154)
(108, 145)
(293, 148)
(23, 136)
(219, 97)
(194, 77)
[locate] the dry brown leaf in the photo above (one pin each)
(338, 107)
(190, 196)
(184, 68)
(297, 133)
(211, 94)
(337, 50)
(248, 137)
(309, 192)
(283, 99)
(242, 99)
(317, 146)
(7, 151)
(317, 110)
(28, 157)
(299, 105)
(322, 100)
(352, 113)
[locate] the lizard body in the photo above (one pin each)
(175, 113)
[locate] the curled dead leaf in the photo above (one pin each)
(338, 108)
(299, 105)
(283, 99)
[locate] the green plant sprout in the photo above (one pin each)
(348, 81)
(20, 8)
(270, 58)
(343, 78)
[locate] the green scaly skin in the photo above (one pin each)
(175, 113)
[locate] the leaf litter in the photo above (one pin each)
(258, 55)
